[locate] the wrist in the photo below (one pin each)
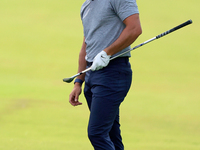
(107, 52)
(78, 81)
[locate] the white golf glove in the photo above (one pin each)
(101, 60)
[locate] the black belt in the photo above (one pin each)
(116, 60)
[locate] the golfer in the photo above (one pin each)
(110, 27)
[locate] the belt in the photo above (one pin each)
(116, 60)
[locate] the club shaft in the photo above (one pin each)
(80, 73)
(133, 48)
(148, 41)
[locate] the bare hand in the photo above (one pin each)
(73, 97)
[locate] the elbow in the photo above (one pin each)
(138, 32)
(135, 33)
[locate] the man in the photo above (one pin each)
(110, 27)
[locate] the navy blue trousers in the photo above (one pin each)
(105, 90)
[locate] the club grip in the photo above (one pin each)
(175, 28)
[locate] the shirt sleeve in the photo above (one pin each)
(125, 8)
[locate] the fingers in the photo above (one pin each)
(73, 100)
(76, 101)
(101, 60)
(73, 97)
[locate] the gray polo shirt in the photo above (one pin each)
(103, 23)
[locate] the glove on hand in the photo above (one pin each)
(101, 60)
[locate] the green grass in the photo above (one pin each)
(39, 46)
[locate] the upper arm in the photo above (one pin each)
(133, 23)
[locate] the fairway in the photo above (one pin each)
(40, 42)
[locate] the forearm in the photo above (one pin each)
(74, 96)
(127, 37)
(82, 62)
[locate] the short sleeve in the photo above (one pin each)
(124, 8)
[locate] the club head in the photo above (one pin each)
(68, 80)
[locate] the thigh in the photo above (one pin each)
(87, 90)
(112, 81)
(109, 88)
(102, 114)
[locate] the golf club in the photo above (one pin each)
(68, 80)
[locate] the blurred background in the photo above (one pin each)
(39, 46)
